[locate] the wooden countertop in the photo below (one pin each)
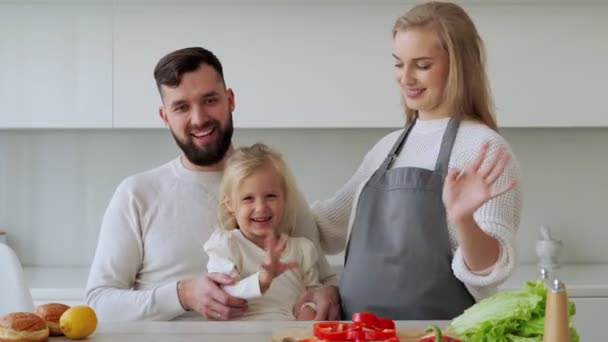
(203, 331)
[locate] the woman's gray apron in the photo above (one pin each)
(398, 258)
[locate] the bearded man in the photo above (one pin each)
(149, 262)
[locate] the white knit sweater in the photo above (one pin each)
(232, 253)
(153, 234)
(499, 217)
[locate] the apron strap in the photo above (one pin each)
(388, 162)
(443, 160)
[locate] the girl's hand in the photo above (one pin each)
(306, 313)
(467, 190)
(272, 266)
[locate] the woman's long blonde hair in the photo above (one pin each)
(467, 90)
(244, 162)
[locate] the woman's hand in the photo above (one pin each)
(306, 313)
(467, 190)
(326, 300)
(272, 266)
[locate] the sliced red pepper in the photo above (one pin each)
(333, 331)
(337, 331)
(385, 323)
(365, 327)
(365, 320)
(371, 321)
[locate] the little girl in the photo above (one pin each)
(256, 210)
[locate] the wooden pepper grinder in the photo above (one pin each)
(557, 328)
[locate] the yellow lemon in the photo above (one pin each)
(78, 322)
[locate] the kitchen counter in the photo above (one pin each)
(587, 286)
(582, 280)
(57, 284)
(66, 284)
(203, 331)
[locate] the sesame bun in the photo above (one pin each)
(23, 327)
(51, 313)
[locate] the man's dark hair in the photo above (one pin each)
(170, 69)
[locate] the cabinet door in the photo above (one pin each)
(547, 63)
(297, 65)
(57, 65)
(330, 65)
(590, 318)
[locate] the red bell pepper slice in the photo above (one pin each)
(371, 321)
(333, 331)
(385, 323)
(365, 320)
(365, 327)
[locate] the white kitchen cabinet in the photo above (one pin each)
(590, 318)
(289, 65)
(546, 62)
(56, 65)
(587, 287)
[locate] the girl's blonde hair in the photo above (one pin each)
(467, 90)
(244, 162)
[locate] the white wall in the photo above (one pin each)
(88, 64)
(55, 184)
(546, 60)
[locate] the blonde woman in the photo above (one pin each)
(257, 212)
(429, 219)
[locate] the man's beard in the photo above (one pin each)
(212, 153)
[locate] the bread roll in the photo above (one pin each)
(51, 313)
(23, 327)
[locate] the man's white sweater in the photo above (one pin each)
(153, 234)
(499, 217)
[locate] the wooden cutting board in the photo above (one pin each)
(295, 334)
